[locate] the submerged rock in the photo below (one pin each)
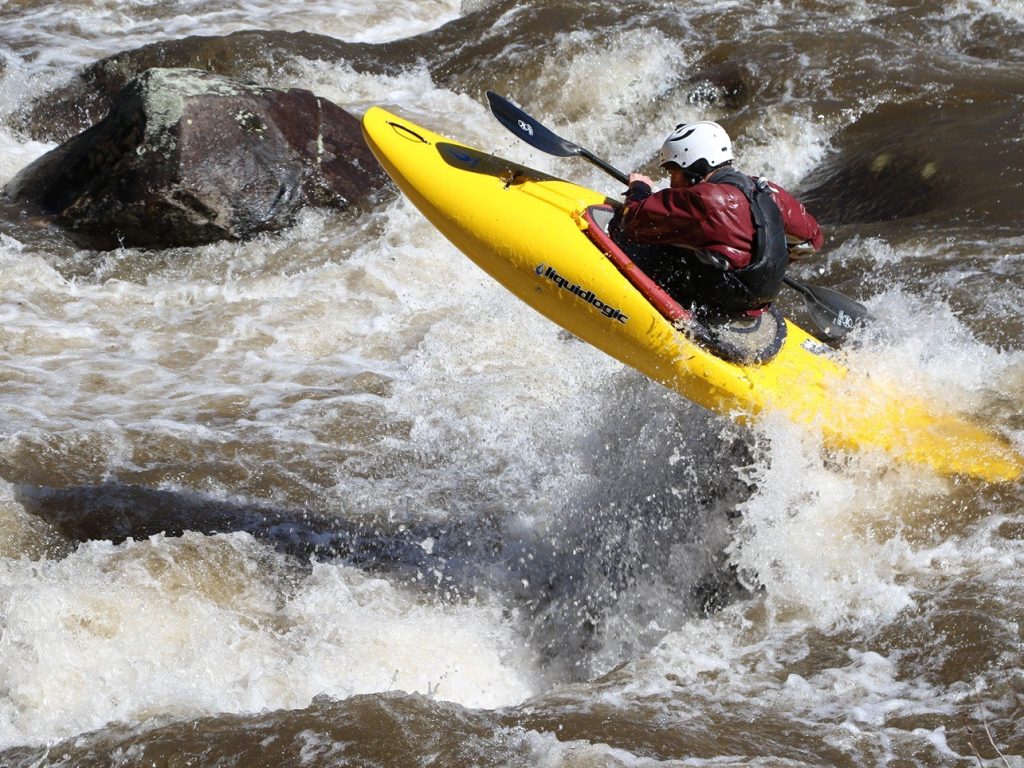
(885, 166)
(725, 84)
(187, 157)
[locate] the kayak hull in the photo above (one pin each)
(527, 230)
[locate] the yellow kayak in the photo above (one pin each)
(528, 230)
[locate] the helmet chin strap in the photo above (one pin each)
(698, 171)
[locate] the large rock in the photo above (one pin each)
(187, 157)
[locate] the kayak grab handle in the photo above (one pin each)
(406, 129)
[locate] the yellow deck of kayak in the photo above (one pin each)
(519, 224)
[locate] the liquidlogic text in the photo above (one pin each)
(577, 290)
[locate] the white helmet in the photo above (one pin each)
(692, 142)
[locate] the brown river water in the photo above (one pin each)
(332, 497)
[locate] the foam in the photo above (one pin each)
(104, 28)
(243, 356)
(198, 625)
(1011, 9)
(16, 154)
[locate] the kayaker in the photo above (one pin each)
(729, 236)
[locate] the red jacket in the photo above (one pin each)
(712, 218)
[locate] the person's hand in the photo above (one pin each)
(799, 249)
(640, 187)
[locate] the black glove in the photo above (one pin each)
(638, 190)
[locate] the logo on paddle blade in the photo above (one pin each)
(526, 127)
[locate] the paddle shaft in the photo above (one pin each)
(610, 170)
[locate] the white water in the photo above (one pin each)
(206, 624)
(62, 35)
(251, 356)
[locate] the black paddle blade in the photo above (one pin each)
(539, 137)
(833, 313)
(528, 129)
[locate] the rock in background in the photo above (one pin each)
(246, 55)
(187, 157)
